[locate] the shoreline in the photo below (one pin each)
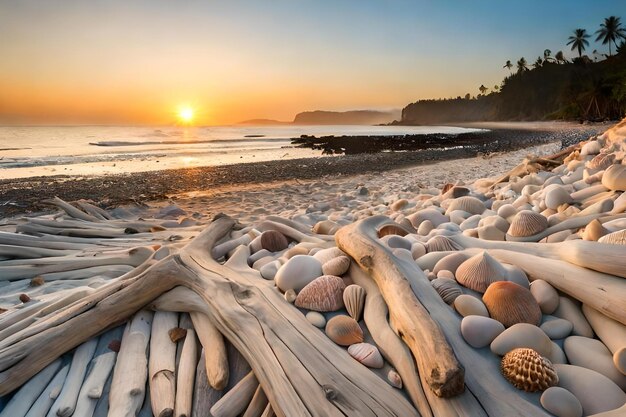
(24, 195)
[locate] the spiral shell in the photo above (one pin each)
(336, 266)
(527, 223)
(440, 244)
(344, 330)
(510, 303)
(601, 161)
(528, 370)
(322, 294)
(615, 238)
(466, 203)
(367, 354)
(354, 300)
(273, 241)
(447, 289)
(480, 271)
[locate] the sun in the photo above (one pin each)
(185, 114)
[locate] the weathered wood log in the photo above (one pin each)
(93, 210)
(216, 360)
(435, 358)
(301, 370)
(23, 399)
(269, 411)
(257, 405)
(235, 401)
(102, 408)
(131, 369)
(162, 364)
(26, 252)
(186, 375)
(497, 397)
(49, 395)
(71, 210)
(204, 396)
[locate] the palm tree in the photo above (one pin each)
(559, 57)
(522, 65)
(538, 63)
(508, 65)
(579, 40)
(621, 47)
(482, 89)
(611, 31)
(546, 55)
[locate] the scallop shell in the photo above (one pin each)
(510, 303)
(273, 241)
(594, 231)
(480, 271)
(527, 223)
(326, 227)
(322, 294)
(466, 203)
(440, 244)
(447, 289)
(367, 354)
(394, 378)
(354, 299)
(615, 238)
(601, 161)
(614, 178)
(344, 330)
(528, 370)
(337, 266)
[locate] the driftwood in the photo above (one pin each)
(301, 371)
(257, 404)
(216, 360)
(497, 398)
(49, 395)
(237, 399)
(204, 396)
(162, 364)
(186, 375)
(435, 358)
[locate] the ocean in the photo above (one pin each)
(29, 151)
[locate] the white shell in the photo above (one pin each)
(367, 354)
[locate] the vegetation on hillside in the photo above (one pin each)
(587, 88)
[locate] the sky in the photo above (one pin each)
(141, 61)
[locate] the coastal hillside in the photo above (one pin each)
(553, 89)
(353, 117)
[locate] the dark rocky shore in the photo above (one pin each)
(26, 195)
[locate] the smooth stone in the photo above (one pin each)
(479, 331)
(491, 233)
(522, 335)
(337, 266)
(258, 255)
(316, 319)
(618, 412)
(545, 295)
(260, 263)
(268, 271)
(593, 354)
(517, 275)
(561, 402)
(418, 250)
(468, 305)
(568, 310)
(327, 254)
(445, 274)
(556, 354)
(595, 392)
(297, 272)
(556, 328)
(619, 360)
(396, 242)
(557, 196)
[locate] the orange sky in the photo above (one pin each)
(71, 61)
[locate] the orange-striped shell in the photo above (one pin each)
(510, 303)
(480, 271)
(344, 330)
(322, 294)
(528, 370)
(527, 223)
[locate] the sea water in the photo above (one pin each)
(28, 151)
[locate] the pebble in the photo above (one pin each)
(479, 331)
(556, 328)
(546, 296)
(468, 305)
(522, 335)
(593, 354)
(561, 402)
(568, 310)
(316, 319)
(297, 272)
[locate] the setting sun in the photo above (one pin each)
(185, 114)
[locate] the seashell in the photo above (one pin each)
(290, 296)
(479, 331)
(522, 335)
(367, 354)
(594, 231)
(435, 217)
(467, 203)
(595, 392)
(273, 241)
(528, 370)
(316, 319)
(344, 330)
(447, 289)
(322, 294)
(326, 227)
(510, 303)
(354, 300)
(450, 262)
(601, 161)
(395, 380)
(615, 238)
(468, 305)
(545, 295)
(479, 271)
(614, 178)
(37, 281)
(393, 229)
(527, 223)
(399, 204)
(561, 402)
(297, 272)
(441, 244)
(176, 334)
(556, 196)
(337, 266)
